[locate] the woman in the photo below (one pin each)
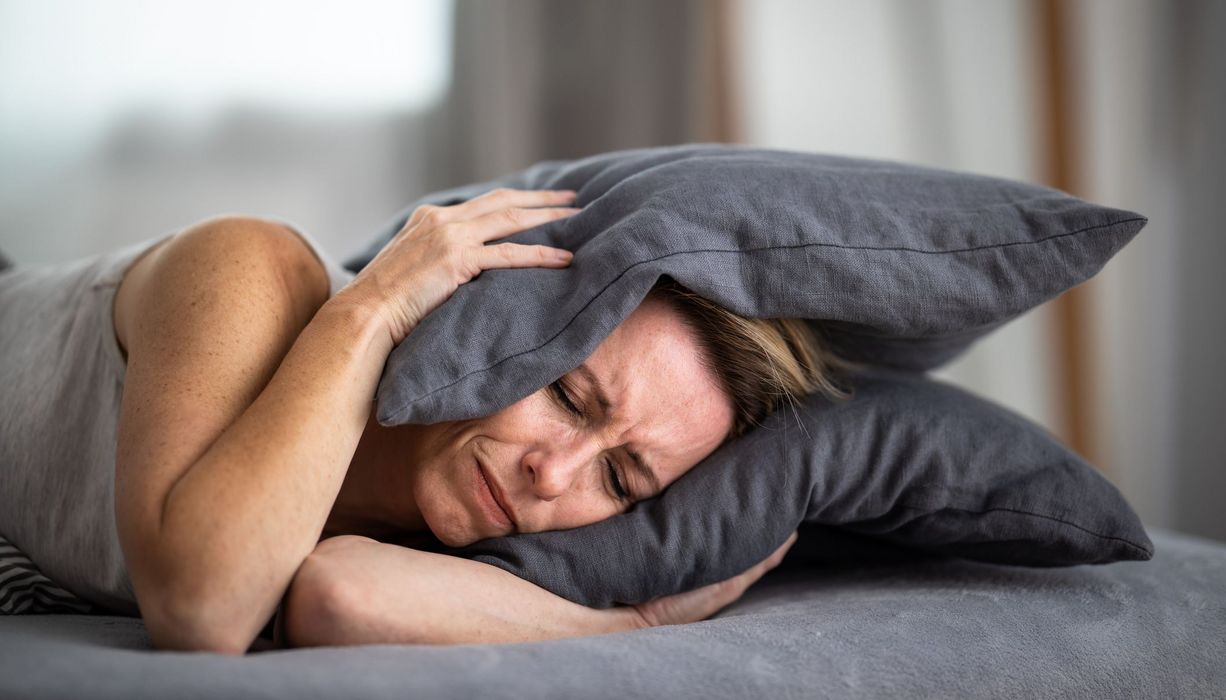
(245, 434)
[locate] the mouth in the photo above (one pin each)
(492, 501)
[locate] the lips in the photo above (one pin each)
(489, 489)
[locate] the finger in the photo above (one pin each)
(504, 198)
(504, 222)
(777, 556)
(787, 544)
(506, 255)
(755, 572)
(433, 215)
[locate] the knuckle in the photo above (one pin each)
(461, 263)
(429, 215)
(513, 216)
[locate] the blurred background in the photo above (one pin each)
(124, 120)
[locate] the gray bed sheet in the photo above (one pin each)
(919, 629)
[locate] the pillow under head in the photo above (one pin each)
(898, 265)
(907, 461)
(904, 266)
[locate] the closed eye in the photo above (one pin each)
(560, 393)
(618, 489)
(615, 479)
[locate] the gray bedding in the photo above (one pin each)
(918, 629)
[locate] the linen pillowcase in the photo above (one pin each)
(909, 462)
(904, 266)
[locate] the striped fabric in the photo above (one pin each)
(25, 591)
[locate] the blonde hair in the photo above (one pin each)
(761, 363)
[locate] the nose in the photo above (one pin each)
(555, 466)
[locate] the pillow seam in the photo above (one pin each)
(1086, 530)
(623, 273)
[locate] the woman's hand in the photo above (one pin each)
(355, 590)
(441, 248)
(701, 603)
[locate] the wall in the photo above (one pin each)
(944, 84)
(126, 120)
(952, 83)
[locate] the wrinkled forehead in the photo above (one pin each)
(663, 395)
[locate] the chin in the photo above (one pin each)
(448, 531)
(454, 542)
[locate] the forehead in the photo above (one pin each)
(666, 404)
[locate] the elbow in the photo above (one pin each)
(320, 609)
(189, 624)
(196, 613)
(196, 601)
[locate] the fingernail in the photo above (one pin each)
(564, 255)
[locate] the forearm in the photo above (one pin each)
(358, 591)
(239, 523)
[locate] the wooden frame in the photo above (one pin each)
(1073, 339)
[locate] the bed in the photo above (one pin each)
(922, 628)
(904, 267)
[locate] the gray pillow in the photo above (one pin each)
(899, 265)
(908, 461)
(904, 266)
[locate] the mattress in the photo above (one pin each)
(936, 628)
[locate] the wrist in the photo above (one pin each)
(360, 317)
(618, 619)
(391, 309)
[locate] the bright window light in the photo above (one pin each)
(68, 67)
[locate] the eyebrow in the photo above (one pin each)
(645, 472)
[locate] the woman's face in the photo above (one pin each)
(640, 412)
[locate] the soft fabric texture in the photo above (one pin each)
(898, 265)
(908, 460)
(938, 629)
(904, 265)
(63, 373)
(23, 588)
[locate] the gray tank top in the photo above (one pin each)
(62, 374)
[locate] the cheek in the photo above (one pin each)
(528, 411)
(587, 504)
(526, 424)
(444, 516)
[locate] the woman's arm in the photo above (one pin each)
(244, 399)
(246, 395)
(355, 590)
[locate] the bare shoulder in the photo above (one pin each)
(217, 250)
(205, 321)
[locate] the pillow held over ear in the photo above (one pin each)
(905, 266)
(899, 265)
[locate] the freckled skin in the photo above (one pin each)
(550, 464)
